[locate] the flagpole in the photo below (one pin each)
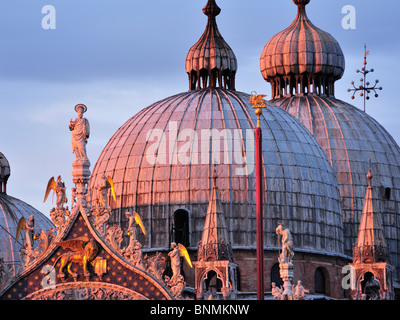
(258, 104)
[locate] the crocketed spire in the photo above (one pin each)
(302, 59)
(211, 62)
(371, 244)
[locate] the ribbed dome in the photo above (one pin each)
(11, 210)
(211, 62)
(163, 160)
(302, 59)
(350, 138)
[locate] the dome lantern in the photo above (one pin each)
(211, 62)
(302, 59)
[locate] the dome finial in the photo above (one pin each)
(302, 3)
(211, 9)
(369, 174)
(211, 62)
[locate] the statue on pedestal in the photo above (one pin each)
(285, 261)
(80, 133)
(287, 244)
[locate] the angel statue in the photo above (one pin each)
(134, 220)
(287, 244)
(105, 184)
(80, 133)
(175, 255)
(30, 232)
(58, 188)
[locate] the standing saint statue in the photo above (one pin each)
(287, 244)
(80, 133)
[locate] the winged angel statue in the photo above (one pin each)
(58, 188)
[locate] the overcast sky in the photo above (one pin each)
(119, 56)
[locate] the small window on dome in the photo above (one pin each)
(181, 227)
(388, 192)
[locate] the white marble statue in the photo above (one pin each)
(299, 291)
(287, 244)
(175, 260)
(80, 133)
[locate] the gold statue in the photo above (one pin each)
(258, 103)
(82, 251)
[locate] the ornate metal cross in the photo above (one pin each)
(365, 87)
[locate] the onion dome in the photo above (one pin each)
(302, 59)
(11, 211)
(211, 62)
(162, 162)
(348, 136)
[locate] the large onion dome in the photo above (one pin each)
(302, 58)
(11, 211)
(349, 137)
(163, 159)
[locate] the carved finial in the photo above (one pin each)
(211, 9)
(211, 63)
(369, 174)
(302, 3)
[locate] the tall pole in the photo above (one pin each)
(258, 104)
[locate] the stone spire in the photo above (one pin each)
(371, 244)
(211, 62)
(215, 244)
(372, 272)
(302, 59)
(215, 256)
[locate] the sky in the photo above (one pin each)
(117, 57)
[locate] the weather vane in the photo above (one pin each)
(258, 103)
(365, 87)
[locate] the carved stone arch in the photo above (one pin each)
(363, 281)
(321, 281)
(205, 276)
(86, 291)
